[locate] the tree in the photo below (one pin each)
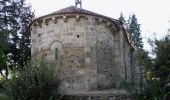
(20, 48)
(15, 16)
(134, 32)
(145, 62)
(157, 71)
(3, 48)
(4, 32)
(161, 68)
(122, 19)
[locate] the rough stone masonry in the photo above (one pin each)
(94, 49)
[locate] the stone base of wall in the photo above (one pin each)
(97, 95)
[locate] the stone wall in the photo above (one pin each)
(69, 39)
(99, 55)
(74, 68)
(95, 55)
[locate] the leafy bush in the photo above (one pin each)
(2, 82)
(4, 97)
(35, 81)
(156, 77)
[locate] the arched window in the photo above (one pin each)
(56, 50)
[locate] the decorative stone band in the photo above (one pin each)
(77, 17)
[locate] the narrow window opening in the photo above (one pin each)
(78, 36)
(56, 53)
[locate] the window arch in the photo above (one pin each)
(56, 50)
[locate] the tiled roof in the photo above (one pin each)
(75, 10)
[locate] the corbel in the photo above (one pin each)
(65, 18)
(98, 20)
(108, 24)
(113, 28)
(54, 19)
(35, 24)
(47, 21)
(40, 23)
(77, 18)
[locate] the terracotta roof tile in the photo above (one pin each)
(75, 10)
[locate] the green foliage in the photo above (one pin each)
(144, 59)
(4, 46)
(35, 81)
(2, 82)
(20, 38)
(134, 32)
(133, 29)
(15, 17)
(161, 68)
(156, 71)
(122, 19)
(4, 97)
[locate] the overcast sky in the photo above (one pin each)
(153, 15)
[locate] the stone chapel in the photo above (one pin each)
(95, 50)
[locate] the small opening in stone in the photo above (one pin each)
(56, 53)
(78, 36)
(72, 61)
(39, 35)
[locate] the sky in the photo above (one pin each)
(153, 15)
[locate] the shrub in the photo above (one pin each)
(4, 97)
(2, 82)
(35, 81)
